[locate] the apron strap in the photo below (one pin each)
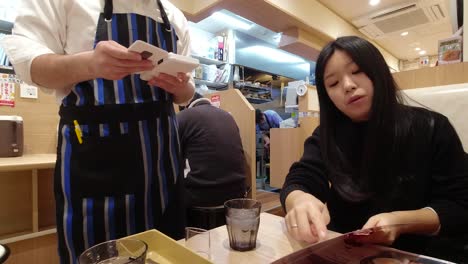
(167, 25)
(108, 10)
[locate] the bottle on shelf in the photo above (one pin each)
(220, 54)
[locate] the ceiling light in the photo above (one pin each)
(304, 66)
(404, 33)
(273, 54)
(374, 2)
(422, 52)
(234, 21)
(416, 49)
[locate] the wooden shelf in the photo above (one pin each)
(28, 162)
(257, 100)
(26, 235)
(6, 69)
(249, 89)
(6, 237)
(252, 87)
(213, 85)
(29, 179)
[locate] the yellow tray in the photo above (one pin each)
(165, 250)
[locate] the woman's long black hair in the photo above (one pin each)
(381, 136)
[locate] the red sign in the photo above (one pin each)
(216, 100)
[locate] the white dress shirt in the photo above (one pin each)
(69, 27)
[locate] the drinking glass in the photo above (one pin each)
(242, 222)
(121, 251)
(198, 239)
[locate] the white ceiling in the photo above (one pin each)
(425, 37)
(213, 25)
(8, 10)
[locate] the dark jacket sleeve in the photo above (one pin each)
(183, 118)
(449, 178)
(308, 174)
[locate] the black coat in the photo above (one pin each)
(432, 171)
(211, 143)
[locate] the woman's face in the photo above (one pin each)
(348, 87)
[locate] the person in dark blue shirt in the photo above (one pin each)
(266, 120)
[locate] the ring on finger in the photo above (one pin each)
(294, 226)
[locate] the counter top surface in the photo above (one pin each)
(273, 242)
(27, 162)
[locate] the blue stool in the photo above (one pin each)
(4, 253)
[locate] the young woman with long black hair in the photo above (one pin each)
(374, 161)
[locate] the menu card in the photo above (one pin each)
(346, 249)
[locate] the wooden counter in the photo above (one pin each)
(28, 162)
(273, 243)
(26, 197)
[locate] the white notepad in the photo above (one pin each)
(163, 61)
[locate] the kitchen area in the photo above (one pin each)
(253, 55)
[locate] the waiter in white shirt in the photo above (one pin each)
(118, 167)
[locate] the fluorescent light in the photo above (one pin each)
(304, 66)
(234, 21)
(374, 2)
(273, 54)
(416, 49)
(422, 52)
(404, 33)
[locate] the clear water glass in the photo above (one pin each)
(198, 240)
(242, 222)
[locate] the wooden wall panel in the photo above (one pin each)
(433, 76)
(40, 250)
(15, 203)
(40, 119)
(286, 148)
(46, 200)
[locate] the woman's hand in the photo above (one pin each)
(181, 86)
(383, 235)
(421, 221)
(112, 61)
(307, 217)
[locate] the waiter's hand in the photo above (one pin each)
(113, 61)
(307, 217)
(182, 86)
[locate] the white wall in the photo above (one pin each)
(449, 100)
(8, 10)
(406, 65)
(200, 41)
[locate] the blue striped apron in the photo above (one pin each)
(124, 177)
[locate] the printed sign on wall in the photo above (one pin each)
(8, 83)
(216, 100)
